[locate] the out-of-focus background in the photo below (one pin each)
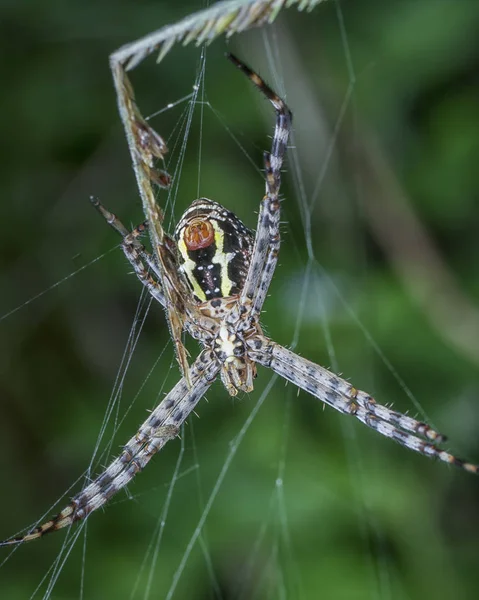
(385, 97)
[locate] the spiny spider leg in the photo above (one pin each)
(134, 251)
(161, 426)
(267, 241)
(342, 396)
(331, 381)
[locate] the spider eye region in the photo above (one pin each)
(199, 234)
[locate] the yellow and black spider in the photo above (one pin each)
(212, 277)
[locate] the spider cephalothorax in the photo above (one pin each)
(212, 281)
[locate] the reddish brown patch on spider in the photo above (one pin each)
(199, 234)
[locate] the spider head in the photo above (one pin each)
(214, 250)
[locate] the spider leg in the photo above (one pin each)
(134, 251)
(266, 246)
(342, 396)
(146, 147)
(161, 426)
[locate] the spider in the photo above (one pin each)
(212, 277)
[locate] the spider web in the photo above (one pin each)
(269, 495)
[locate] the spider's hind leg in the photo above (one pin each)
(135, 252)
(267, 241)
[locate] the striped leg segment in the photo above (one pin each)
(134, 251)
(342, 396)
(267, 241)
(161, 426)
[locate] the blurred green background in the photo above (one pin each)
(394, 225)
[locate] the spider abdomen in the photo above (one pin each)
(214, 250)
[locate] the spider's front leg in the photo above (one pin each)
(161, 426)
(342, 396)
